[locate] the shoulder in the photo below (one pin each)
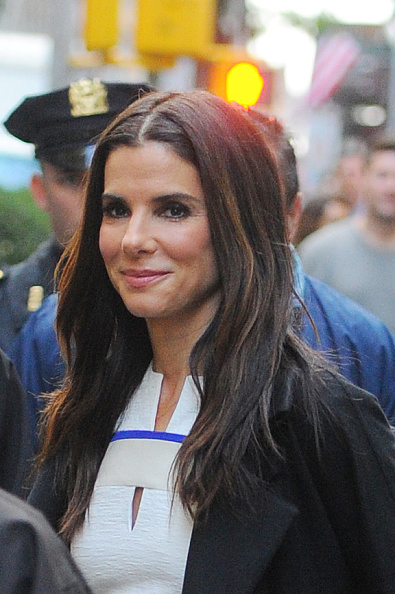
(35, 351)
(327, 237)
(22, 288)
(347, 457)
(37, 339)
(33, 269)
(352, 417)
(360, 344)
(43, 318)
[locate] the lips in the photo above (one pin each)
(142, 278)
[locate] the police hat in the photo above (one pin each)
(65, 123)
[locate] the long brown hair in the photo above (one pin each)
(249, 357)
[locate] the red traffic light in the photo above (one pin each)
(244, 84)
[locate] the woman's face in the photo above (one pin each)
(154, 237)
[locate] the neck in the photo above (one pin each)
(171, 351)
(173, 340)
(379, 232)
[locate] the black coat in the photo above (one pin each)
(324, 523)
(33, 559)
(16, 447)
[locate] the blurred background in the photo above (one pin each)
(325, 69)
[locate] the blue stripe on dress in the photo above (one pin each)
(159, 435)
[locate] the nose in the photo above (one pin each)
(138, 236)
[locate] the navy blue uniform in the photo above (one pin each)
(16, 289)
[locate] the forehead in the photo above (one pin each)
(151, 165)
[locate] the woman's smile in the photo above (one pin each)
(141, 278)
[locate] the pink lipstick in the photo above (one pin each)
(142, 278)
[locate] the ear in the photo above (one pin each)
(293, 216)
(39, 191)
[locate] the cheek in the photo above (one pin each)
(202, 255)
(191, 247)
(107, 244)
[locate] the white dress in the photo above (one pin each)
(149, 557)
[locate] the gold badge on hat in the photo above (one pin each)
(88, 97)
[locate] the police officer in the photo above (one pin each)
(63, 126)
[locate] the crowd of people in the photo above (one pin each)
(357, 255)
(203, 412)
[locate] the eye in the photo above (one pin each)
(175, 210)
(115, 209)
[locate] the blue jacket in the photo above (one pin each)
(35, 353)
(356, 341)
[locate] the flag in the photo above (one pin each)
(336, 55)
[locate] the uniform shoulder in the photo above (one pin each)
(4, 273)
(26, 269)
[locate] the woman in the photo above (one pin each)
(197, 445)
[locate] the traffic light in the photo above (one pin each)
(167, 29)
(175, 27)
(245, 82)
(101, 24)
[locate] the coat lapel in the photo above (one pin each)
(230, 552)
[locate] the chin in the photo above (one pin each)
(146, 312)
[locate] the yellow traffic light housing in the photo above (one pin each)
(167, 29)
(175, 27)
(101, 24)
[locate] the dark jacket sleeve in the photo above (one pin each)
(33, 559)
(15, 436)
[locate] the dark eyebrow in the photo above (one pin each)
(107, 196)
(176, 196)
(158, 199)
